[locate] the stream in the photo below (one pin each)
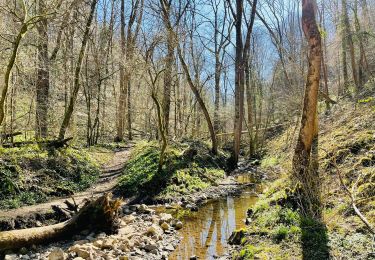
(206, 231)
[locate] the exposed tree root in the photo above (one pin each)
(99, 214)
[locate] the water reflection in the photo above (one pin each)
(205, 232)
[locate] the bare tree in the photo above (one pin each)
(76, 85)
(308, 133)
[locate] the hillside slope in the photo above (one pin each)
(346, 146)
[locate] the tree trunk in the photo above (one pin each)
(349, 42)
(238, 92)
(12, 60)
(168, 80)
(122, 95)
(362, 65)
(200, 101)
(42, 85)
(97, 215)
(309, 180)
(76, 84)
(162, 132)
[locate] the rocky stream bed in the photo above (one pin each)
(146, 232)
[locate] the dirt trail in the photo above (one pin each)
(107, 181)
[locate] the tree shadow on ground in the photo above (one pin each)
(314, 239)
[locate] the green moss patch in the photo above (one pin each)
(188, 167)
(31, 175)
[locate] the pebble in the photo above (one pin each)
(165, 226)
(11, 257)
(178, 225)
(165, 217)
(57, 254)
(23, 251)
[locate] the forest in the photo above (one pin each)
(187, 129)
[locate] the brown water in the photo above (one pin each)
(206, 231)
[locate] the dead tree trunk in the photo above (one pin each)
(97, 215)
(309, 180)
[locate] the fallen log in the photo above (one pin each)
(9, 135)
(97, 215)
(55, 144)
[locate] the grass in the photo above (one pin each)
(181, 174)
(30, 175)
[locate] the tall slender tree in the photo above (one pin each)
(42, 84)
(76, 83)
(308, 134)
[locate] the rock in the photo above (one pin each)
(126, 230)
(81, 242)
(108, 243)
(57, 254)
(150, 247)
(11, 257)
(124, 247)
(23, 251)
(145, 209)
(191, 207)
(126, 210)
(249, 212)
(134, 207)
(236, 237)
(165, 226)
(169, 247)
(178, 225)
(169, 206)
(128, 219)
(154, 230)
(90, 238)
(193, 257)
(38, 223)
(155, 219)
(98, 243)
(165, 217)
(101, 235)
(25, 257)
(81, 251)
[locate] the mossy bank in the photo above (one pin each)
(189, 167)
(31, 175)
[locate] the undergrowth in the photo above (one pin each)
(30, 175)
(188, 167)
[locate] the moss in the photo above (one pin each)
(29, 175)
(269, 162)
(280, 233)
(249, 252)
(181, 174)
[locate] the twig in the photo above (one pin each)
(352, 199)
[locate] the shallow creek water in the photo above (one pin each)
(206, 231)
